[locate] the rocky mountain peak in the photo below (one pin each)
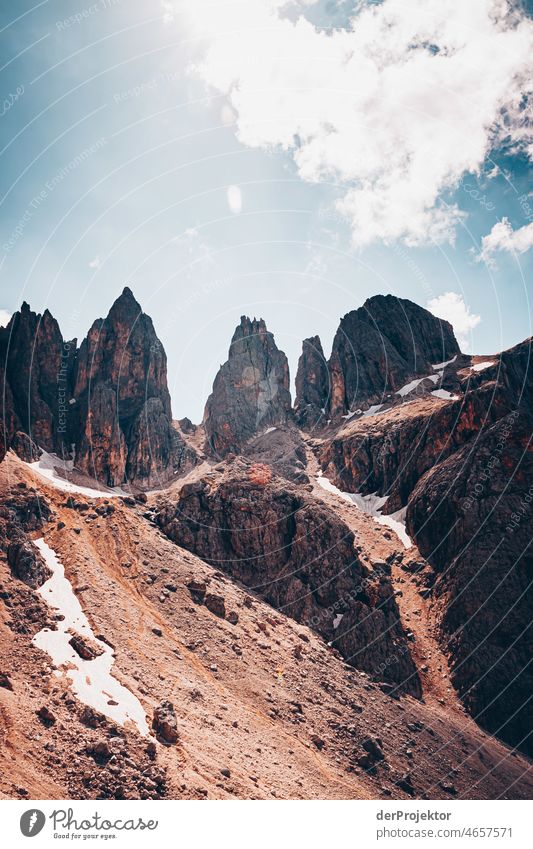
(382, 345)
(312, 384)
(250, 391)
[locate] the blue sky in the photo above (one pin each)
(124, 123)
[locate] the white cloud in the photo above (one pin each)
(502, 237)
(394, 108)
(169, 11)
(95, 263)
(234, 198)
(451, 306)
(4, 318)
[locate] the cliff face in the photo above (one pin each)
(109, 398)
(463, 468)
(382, 345)
(312, 385)
(251, 390)
(36, 376)
(300, 557)
(125, 423)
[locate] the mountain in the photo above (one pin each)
(312, 384)
(343, 586)
(381, 346)
(105, 406)
(251, 390)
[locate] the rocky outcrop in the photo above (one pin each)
(165, 723)
(125, 430)
(283, 450)
(22, 512)
(250, 392)
(471, 518)
(299, 556)
(109, 399)
(36, 368)
(463, 470)
(379, 347)
(312, 385)
(388, 453)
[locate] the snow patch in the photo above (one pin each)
(405, 390)
(445, 395)
(338, 619)
(269, 430)
(91, 680)
(371, 505)
(373, 410)
(48, 466)
(441, 366)
(483, 366)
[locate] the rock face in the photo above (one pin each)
(300, 557)
(125, 422)
(390, 452)
(312, 384)
(251, 390)
(109, 398)
(463, 471)
(36, 375)
(470, 516)
(24, 511)
(165, 723)
(382, 345)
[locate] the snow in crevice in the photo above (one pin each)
(405, 390)
(338, 619)
(91, 680)
(441, 366)
(445, 395)
(49, 467)
(482, 366)
(373, 410)
(372, 506)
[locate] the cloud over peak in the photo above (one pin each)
(394, 108)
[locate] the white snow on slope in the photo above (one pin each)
(372, 411)
(405, 390)
(483, 366)
(371, 505)
(48, 464)
(91, 680)
(445, 395)
(441, 366)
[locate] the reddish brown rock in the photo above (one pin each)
(382, 345)
(36, 375)
(165, 723)
(300, 557)
(123, 403)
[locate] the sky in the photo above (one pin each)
(280, 160)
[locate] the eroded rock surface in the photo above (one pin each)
(251, 390)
